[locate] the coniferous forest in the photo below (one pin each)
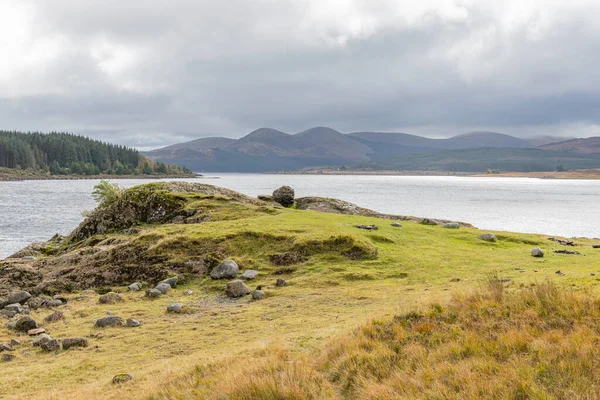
(64, 153)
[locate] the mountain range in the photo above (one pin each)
(268, 149)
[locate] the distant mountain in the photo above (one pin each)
(584, 146)
(268, 149)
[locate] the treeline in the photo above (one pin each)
(64, 153)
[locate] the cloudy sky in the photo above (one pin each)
(151, 73)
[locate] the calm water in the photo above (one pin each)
(35, 210)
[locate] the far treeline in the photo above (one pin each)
(63, 153)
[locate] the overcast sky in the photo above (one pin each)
(148, 73)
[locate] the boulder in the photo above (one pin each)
(171, 281)
(226, 270)
(236, 288)
(37, 302)
(397, 224)
(36, 332)
(174, 308)
(5, 347)
(25, 324)
(40, 340)
(152, 293)
(111, 320)
(596, 246)
(163, 288)
(74, 342)
(121, 378)
(53, 303)
(451, 225)
(110, 298)
(55, 316)
(280, 282)
(284, 196)
(7, 313)
(132, 323)
(8, 357)
(249, 274)
(16, 308)
(11, 325)
(258, 294)
(50, 345)
(428, 221)
(487, 237)
(537, 252)
(19, 297)
(135, 287)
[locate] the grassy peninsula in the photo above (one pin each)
(414, 309)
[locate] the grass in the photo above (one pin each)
(296, 342)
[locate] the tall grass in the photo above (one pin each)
(541, 342)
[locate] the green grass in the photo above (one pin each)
(346, 278)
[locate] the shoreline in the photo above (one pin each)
(17, 178)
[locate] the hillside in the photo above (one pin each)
(584, 146)
(67, 154)
(397, 312)
(268, 149)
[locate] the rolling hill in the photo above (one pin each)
(270, 150)
(584, 146)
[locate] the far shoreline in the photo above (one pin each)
(18, 178)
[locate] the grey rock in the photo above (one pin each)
(112, 320)
(41, 339)
(227, 270)
(36, 332)
(280, 282)
(15, 342)
(171, 281)
(135, 287)
(487, 237)
(451, 225)
(284, 196)
(50, 345)
(236, 288)
(110, 298)
(54, 303)
(428, 221)
(88, 292)
(596, 246)
(17, 308)
(25, 324)
(19, 297)
(7, 313)
(12, 325)
(537, 252)
(249, 274)
(133, 323)
(188, 292)
(121, 378)
(3, 302)
(8, 357)
(5, 347)
(397, 224)
(55, 316)
(29, 258)
(74, 342)
(153, 293)
(174, 308)
(258, 294)
(37, 302)
(163, 287)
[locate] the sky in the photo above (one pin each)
(152, 73)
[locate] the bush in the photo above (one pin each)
(106, 193)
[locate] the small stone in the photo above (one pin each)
(12, 325)
(53, 303)
(132, 323)
(36, 332)
(51, 345)
(25, 324)
(537, 252)
(74, 342)
(8, 357)
(171, 282)
(174, 308)
(5, 347)
(249, 274)
(112, 320)
(152, 293)
(121, 378)
(258, 295)
(451, 225)
(15, 342)
(88, 292)
(20, 297)
(367, 227)
(163, 287)
(40, 340)
(236, 288)
(487, 237)
(135, 287)
(188, 292)
(110, 298)
(397, 224)
(559, 272)
(596, 246)
(280, 282)
(16, 308)
(226, 270)
(55, 316)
